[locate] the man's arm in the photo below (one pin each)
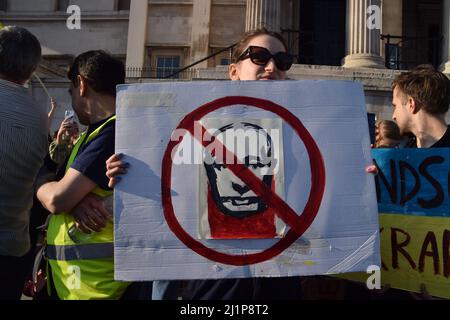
(51, 114)
(64, 195)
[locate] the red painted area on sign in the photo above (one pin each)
(298, 223)
(257, 226)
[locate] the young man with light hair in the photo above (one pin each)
(421, 100)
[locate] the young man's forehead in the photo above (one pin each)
(398, 92)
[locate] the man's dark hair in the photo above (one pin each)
(20, 53)
(429, 88)
(102, 72)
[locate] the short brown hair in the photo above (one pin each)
(242, 44)
(429, 88)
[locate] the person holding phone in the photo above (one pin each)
(66, 138)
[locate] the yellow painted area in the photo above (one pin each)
(414, 250)
(1, 25)
(309, 262)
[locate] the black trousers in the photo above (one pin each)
(13, 273)
(284, 288)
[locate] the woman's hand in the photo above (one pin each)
(115, 167)
(372, 169)
(53, 104)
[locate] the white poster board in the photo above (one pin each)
(180, 213)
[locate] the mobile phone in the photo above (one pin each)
(69, 115)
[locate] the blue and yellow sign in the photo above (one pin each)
(414, 204)
(413, 192)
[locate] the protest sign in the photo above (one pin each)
(199, 202)
(414, 204)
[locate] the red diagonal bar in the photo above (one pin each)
(304, 220)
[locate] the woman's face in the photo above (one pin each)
(247, 70)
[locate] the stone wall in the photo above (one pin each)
(38, 6)
(227, 24)
(101, 26)
(16, 6)
(56, 39)
(169, 25)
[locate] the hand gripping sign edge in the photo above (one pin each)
(298, 223)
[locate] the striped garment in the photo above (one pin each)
(23, 146)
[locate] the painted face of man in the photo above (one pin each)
(231, 195)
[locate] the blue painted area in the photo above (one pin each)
(413, 181)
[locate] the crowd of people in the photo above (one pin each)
(70, 178)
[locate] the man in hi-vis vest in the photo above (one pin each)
(80, 246)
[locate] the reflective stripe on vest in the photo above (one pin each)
(80, 251)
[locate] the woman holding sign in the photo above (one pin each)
(259, 55)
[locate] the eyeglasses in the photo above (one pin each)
(261, 56)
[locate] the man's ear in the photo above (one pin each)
(233, 72)
(413, 106)
(82, 85)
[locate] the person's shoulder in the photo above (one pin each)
(446, 138)
(103, 138)
(23, 107)
(444, 142)
(108, 130)
(107, 124)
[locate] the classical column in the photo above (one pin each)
(263, 13)
(445, 66)
(137, 33)
(201, 16)
(363, 34)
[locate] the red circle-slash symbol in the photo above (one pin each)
(298, 223)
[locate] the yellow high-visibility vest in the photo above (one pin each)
(83, 269)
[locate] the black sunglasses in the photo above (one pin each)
(261, 56)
